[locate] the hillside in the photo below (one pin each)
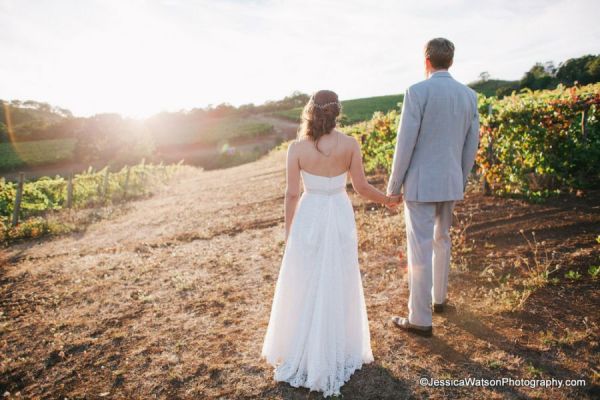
(169, 297)
(354, 110)
(494, 87)
(37, 135)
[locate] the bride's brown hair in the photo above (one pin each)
(319, 115)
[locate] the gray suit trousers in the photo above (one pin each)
(429, 244)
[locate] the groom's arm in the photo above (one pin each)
(470, 146)
(408, 130)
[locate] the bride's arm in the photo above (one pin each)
(359, 181)
(292, 190)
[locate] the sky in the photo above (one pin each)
(139, 57)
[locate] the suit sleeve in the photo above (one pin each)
(408, 131)
(470, 146)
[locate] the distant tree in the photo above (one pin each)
(110, 137)
(297, 99)
(247, 109)
(44, 107)
(549, 68)
(484, 76)
(538, 78)
(583, 70)
(222, 110)
(98, 137)
(196, 115)
(64, 112)
(507, 89)
(593, 69)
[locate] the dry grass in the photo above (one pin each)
(171, 298)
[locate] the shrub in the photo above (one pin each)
(531, 143)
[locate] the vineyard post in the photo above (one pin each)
(583, 124)
(105, 183)
(144, 177)
(70, 190)
(487, 190)
(17, 209)
(126, 182)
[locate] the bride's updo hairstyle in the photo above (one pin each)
(319, 115)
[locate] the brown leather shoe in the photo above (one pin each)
(403, 323)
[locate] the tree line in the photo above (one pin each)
(582, 71)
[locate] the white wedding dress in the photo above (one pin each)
(318, 332)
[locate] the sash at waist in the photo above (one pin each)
(326, 192)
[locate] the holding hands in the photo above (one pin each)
(392, 201)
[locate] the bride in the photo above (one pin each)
(318, 332)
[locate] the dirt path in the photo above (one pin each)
(285, 129)
(171, 299)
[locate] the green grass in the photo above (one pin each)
(358, 110)
(229, 129)
(293, 114)
(35, 152)
(355, 110)
(492, 87)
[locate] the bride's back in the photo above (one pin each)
(332, 158)
(319, 275)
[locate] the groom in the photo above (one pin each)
(436, 144)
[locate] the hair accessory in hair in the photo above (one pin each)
(321, 106)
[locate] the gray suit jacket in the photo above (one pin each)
(438, 137)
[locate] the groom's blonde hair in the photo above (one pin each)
(440, 52)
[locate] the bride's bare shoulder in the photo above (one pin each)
(300, 142)
(302, 139)
(343, 135)
(298, 146)
(349, 140)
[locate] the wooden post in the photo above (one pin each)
(70, 190)
(487, 190)
(583, 124)
(126, 182)
(17, 209)
(105, 183)
(144, 178)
